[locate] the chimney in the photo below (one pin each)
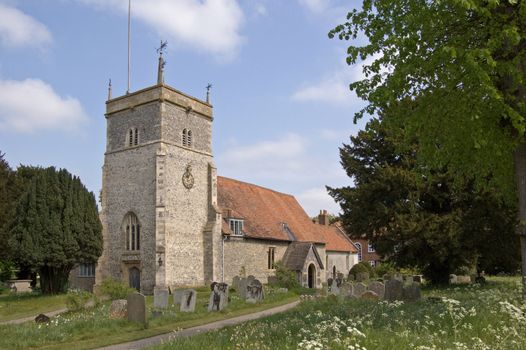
(323, 218)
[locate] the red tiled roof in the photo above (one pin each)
(268, 214)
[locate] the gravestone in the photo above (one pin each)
(386, 277)
(334, 287)
(378, 288)
(118, 309)
(160, 298)
(412, 292)
(136, 308)
(394, 290)
(369, 295)
(254, 291)
(359, 289)
(178, 295)
(250, 278)
(218, 297)
(188, 300)
(362, 276)
(463, 279)
(346, 290)
(452, 279)
(408, 279)
(242, 290)
(235, 282)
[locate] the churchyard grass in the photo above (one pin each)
(461, 318)
(15, 306)
(92, 328)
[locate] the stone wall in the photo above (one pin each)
(341, 260)
(78, 282)
(252, 255)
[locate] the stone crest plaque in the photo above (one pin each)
(188, 178)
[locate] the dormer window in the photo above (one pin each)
(236, 226)
(133, 137)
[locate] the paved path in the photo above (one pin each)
(32, 318)
(142, 343)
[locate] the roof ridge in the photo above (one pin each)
(254, 185)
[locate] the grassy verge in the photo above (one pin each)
(465, 317)
(13, 306)
(92, 328)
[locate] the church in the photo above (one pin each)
(169, 220)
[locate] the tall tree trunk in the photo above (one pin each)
(519, 158)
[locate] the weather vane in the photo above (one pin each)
(208, 87)
(161, 49)
(162, 62)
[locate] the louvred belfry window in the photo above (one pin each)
(133, 232)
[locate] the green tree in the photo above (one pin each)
(55, 226)
(463, 63)
(416, 220)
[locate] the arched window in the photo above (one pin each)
(136, 137)
(132, 229)
(130, 137)
(189, 139)
(359, 247)
(185, 138)
(334, 272)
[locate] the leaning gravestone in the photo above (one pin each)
(118, 309)
(346, 290)
(178, 295)
(359, 289)
(160, 298)
(188, 300)
(136, 308)
(335, 287)
(254, 291)
(219, 297)
(412, 292)
(394, 290)
(378, 288)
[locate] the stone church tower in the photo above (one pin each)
(159, 213)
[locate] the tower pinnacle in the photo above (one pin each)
(162, 62)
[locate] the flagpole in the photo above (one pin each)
(129, 45)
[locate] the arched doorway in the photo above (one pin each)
(134, 276)
(334, 272)
(311, 279)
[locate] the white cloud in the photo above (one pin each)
(30, 105)
(316, 6)
(18, 29)
(315, 199)
(290, 146)
(261, 9)
(211, 26)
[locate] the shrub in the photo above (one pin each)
(384, 268)
(285, 277)
(77, 299)
(116, 289)
(360, 268)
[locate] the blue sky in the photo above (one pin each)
(281, 102)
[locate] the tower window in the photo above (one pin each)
(132, 231)
(133, 137)
(187, 138)
(359, 247)
(370, 248)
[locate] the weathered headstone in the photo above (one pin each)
(464, 279)
(242, 290)
(369, 295)
(378, 288)
(254, 291)
(160, 298)
(394, 290)
(362, 276)
(334, 287)
(412, 292)
(188, 300)
(408, 279)
(178, 295)
(386, 277)
(359, 289)
(452, 279)
(346, 290)
(235, 282)
(118, 309)
(218, 297)
(250, 278)
(136, 308)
